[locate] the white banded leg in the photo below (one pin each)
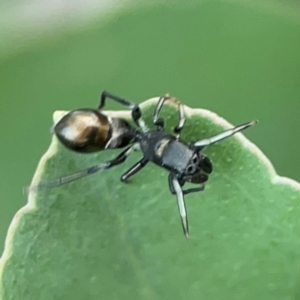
(223, 135)
(159, 122)
(179, 126)
(91, 170)
(175, 188)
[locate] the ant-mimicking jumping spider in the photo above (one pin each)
(89, 130)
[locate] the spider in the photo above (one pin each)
(89, 130)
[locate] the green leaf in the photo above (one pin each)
(99, 238)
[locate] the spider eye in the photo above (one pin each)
(190, 169)
(195, 159)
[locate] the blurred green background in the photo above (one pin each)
(237, 59)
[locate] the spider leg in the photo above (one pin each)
(179, 126)
(134, 169)
(199, 145)
(91, 170)
(135, 109)
(159, 122)
(193, 190)
(175, 187)
(187, 191)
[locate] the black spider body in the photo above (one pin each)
(89, 130)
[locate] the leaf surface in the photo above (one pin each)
(99, 238)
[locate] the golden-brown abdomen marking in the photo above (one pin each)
(83, 130)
